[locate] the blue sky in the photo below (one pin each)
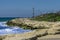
(23, 8)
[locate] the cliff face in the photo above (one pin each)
(40, 29)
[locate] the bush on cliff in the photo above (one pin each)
(52, 17)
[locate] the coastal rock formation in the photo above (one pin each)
(34, 35)
(50, 37)
(53, 27)
(30, 23)
(27, 36)
(41, 29)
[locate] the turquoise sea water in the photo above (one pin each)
(5, 29)
(7, 18)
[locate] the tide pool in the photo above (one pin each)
(5, 29)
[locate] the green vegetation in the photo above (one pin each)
(52, 17)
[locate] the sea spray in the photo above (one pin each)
(5, 29)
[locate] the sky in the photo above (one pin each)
(23, 8)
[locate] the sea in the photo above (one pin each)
(5, 29)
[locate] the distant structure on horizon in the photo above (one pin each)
(33, 13)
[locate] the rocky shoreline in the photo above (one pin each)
(25, 22)
(40, 29)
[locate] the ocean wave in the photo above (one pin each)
(4, 29)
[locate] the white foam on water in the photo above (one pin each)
(11, 30)
(3, 24)
(8, 30)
